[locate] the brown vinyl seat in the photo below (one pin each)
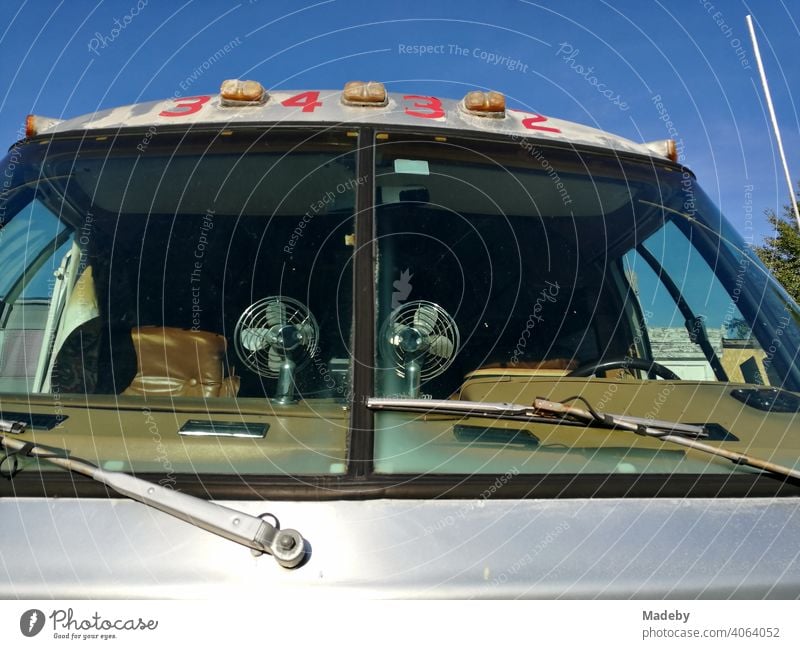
(550, 367)
(175, 362)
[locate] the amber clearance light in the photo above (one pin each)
(360, 93)
(485, 104)
(235, 92)
(664, 148)
(35, 124)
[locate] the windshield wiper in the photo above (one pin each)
(286, 546)
(12, 426)
(545, 411)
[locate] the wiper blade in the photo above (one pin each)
(665, 433)
(286, 546)
(546, 411)
(508, 411)
(495, 410)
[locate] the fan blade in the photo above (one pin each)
(425, 319)
(275, 313)
(254, 339)
(274, 360)
(441, 346)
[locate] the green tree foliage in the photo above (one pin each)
(781, 252)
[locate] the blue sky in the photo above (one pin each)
(694, 54)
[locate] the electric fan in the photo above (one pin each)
(274, 337)
(421, 340)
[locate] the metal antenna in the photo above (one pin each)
(792, 199)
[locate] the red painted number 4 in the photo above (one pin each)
(186, 106)
(308, 101)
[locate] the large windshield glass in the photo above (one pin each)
(198, 283)
(182, 303)
(509, 271)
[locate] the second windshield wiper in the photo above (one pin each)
(286, 546)
(516, 412)
(550, 412)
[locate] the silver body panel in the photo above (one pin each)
(148, 115)
(585, 548)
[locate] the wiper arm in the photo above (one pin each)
(494, 410)
(12, 426)
(508, 411)
(545, 411)
(286, 546)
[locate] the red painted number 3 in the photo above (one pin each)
(430, 104)
(308, 101)
(187, 106)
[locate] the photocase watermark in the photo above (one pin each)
(31, 622)
(195, 277)
(14, 158)
(659, 400)
(102, 41)
(569, 54)
(727, 32)
(471, 505)
(152, 131)
(687, 181)
(672, 131)
(66, 625)
(496, 59)
(318, 207)
(776, 341)
(206, 65)
(547, 294)
(334, 375)
(162, 457)
(747, 212)
(732, 313)
(548, 539)
(537, 154)
(687, 187)
(190, 80)
(84, 239)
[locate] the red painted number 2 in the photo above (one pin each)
(531, 122)
(430, 104)
(187, 106)
(308, 101)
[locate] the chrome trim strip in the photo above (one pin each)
(208, 428)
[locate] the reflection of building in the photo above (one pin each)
(671, 347)
(742, 359)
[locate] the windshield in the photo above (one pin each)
(507, 270)
(182, 303)
(203, 272)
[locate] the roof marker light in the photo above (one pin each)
(235, 92)
(484, 104)
(35, 124)
(664, 148)
(360, 93)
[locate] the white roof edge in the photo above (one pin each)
(420, 111)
